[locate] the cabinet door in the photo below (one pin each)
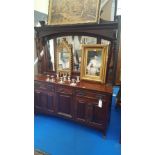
(64, 105)
(81, 109)
(50, 103)
(96, 114)
(37, 99)
(43, 100)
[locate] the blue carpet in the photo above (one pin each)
(57, 136)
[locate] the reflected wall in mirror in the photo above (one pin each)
(51, 49)
(64, 57)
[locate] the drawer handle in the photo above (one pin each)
(81, 101)
(49, 87)
(100, 96)
(81, 93)
(42, 87)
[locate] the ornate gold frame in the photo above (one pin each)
(104, 58)
(73, 12)
(64, 45)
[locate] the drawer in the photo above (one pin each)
(44, 86)
(91, 94)
(86, 100)
(89, 101)
(64, 89)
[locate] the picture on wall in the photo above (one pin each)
(94, 62)
(61, 12)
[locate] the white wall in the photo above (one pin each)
(41, 6)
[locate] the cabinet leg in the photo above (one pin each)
(104, 136)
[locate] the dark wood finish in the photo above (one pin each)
(105, 30)
(78, 103)
(118, 70)
(108, 30)
(116, 49)
(44, 97)
(81, 109)
(64, 101)
(115, 13)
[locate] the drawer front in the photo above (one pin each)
(65, 90)
(44, 86)
(86, 100)
(90, 94)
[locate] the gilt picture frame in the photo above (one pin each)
(64, 12)
(94, 62)
(64, 58)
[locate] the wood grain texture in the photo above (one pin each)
(77, 103)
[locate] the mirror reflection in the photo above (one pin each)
(64, 56)
(76, 42)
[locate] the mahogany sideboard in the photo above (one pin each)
(78, 103)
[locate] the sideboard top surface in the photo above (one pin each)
(82, 84)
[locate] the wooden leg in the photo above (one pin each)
(104, 136)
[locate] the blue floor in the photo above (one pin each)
(57, 136)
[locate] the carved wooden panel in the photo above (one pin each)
(64, 105)
(43, 100)
(81, 109)
(37, 99)
(51, 103)
(97, 115)
(78, 103)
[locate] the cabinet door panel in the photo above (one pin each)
(37, 99)
(64, 105)
(44, 100)
(81, 110)
(96, 114)
(50, 103)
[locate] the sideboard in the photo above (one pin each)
(78, 103)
